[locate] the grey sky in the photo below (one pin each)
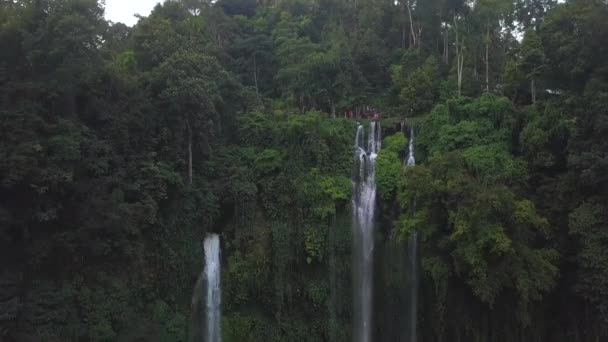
(123, 10)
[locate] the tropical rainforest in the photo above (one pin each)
(122, 147)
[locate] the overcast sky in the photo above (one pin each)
(123, 10)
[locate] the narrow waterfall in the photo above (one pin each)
(413, 259)
(411, 160)
(212, 274)
(364, 205)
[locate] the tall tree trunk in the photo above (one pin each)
(487, 57)
(460, 66)
(412, 32)
(445, 45)
(445, 30)
(459, 55)
(533, 90)
(189, 153)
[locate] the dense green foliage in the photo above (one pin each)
(121, 147)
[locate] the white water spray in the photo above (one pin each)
(212, 275)
(364, 205)
(411, 160)
(413, 260)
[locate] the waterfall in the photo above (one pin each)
(411, 161)
(413, 259)
(364, 205)
(212, 274)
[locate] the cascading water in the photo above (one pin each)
(413, 259)
(212, 274)
(364, 205)
(411, 160)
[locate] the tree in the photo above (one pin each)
(188, 87)
(473, 226)
(121, 148)
(533, 60)
(573, 37)
(491, 13)
(420, 90)
(530, 13)
(460, 49)
(254, 55)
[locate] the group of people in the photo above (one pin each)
(367, 112)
